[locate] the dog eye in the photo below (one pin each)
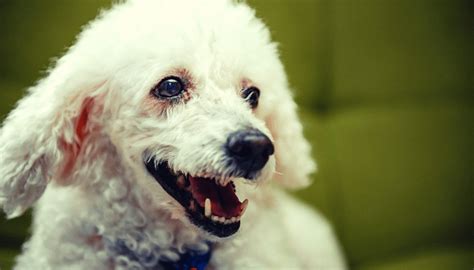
(168, 87)
(251, 96)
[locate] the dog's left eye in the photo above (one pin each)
(251, 95)
(168, 87)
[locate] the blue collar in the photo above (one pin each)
(190, 260)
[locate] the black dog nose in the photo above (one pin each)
(249, 149)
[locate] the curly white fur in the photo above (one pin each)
(78, 142)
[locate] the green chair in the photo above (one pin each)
(386, 95)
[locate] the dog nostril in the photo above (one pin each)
(236, 147)
(250, 148)
(269, 150)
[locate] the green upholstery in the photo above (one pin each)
(386, 95)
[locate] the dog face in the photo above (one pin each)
(192, 99)
(200, 138)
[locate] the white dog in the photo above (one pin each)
(152, 136)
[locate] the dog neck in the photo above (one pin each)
(132, 257)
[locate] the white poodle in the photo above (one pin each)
(151, 137)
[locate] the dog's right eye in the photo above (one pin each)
(168, 87)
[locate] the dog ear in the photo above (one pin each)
(292, 151)
(42, 139)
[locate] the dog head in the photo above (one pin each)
(191, 95)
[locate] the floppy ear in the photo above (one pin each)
(293, 153)
(42, 138)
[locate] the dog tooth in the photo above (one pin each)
(245, 203)
(192, 206)
(215, 218)
(222, 219)
(232, 219)
(207, 207)
(181, 181)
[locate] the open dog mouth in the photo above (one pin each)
(210, 204)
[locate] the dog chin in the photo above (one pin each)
(210, 202)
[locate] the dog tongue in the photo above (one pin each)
(224, 202)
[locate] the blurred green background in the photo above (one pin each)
(386, 94)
